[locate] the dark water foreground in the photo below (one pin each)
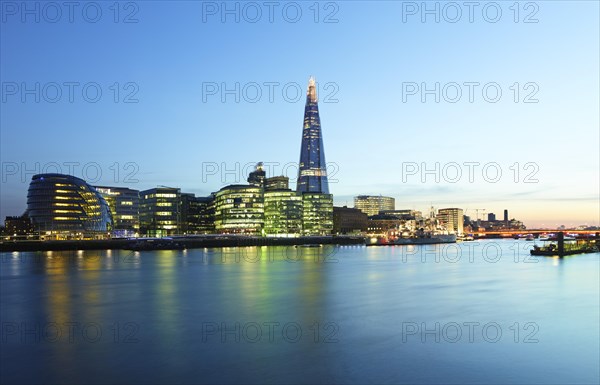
(477, 312)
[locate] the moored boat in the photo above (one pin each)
(553, 251)
(561, 245)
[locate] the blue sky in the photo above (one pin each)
(177, 132)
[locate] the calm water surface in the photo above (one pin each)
(477, 312)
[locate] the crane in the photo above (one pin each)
(477, 213)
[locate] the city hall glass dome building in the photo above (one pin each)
(66, 206)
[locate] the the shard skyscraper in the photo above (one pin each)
(312, 173)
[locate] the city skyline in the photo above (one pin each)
(477, 215)
(180, 121)
(292, 192)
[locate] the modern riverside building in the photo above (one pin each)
(274, 211)
(188, 214)
(277, 183)
(373, 204)
(206, 219)
(124, 206)
(317, 214)
(348, 220)
(239, 209)
(452, 218)
(258, 176)
(197, 214)
(160, 211)
(283, 213)
(312, 172)
(65, 207)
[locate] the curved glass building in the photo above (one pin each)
(239, 209)
(64, 204)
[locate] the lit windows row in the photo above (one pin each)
(166, 195)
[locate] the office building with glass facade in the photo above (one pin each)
(197, 214)
(239, 209)
(312, 172)
(124, 206)
(317, 214)
(65, 207)
(283, 213)
(277, 183)
(258, 176)
(160, 211)
(373, 204)
(452, 219)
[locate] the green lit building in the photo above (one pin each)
(317, 214)
(374, 204)
(266, 206)
(239, 209)
(160, 212)
(277, 183)
(283, 212)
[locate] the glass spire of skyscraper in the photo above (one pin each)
(312, 173)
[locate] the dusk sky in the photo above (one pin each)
(184, 131)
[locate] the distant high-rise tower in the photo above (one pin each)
(312, 173)
(258, 176)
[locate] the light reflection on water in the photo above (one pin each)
(174, 316)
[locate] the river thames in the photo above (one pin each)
(473, 312)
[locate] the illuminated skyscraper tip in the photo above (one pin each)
(311, 91)
(312, 173)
